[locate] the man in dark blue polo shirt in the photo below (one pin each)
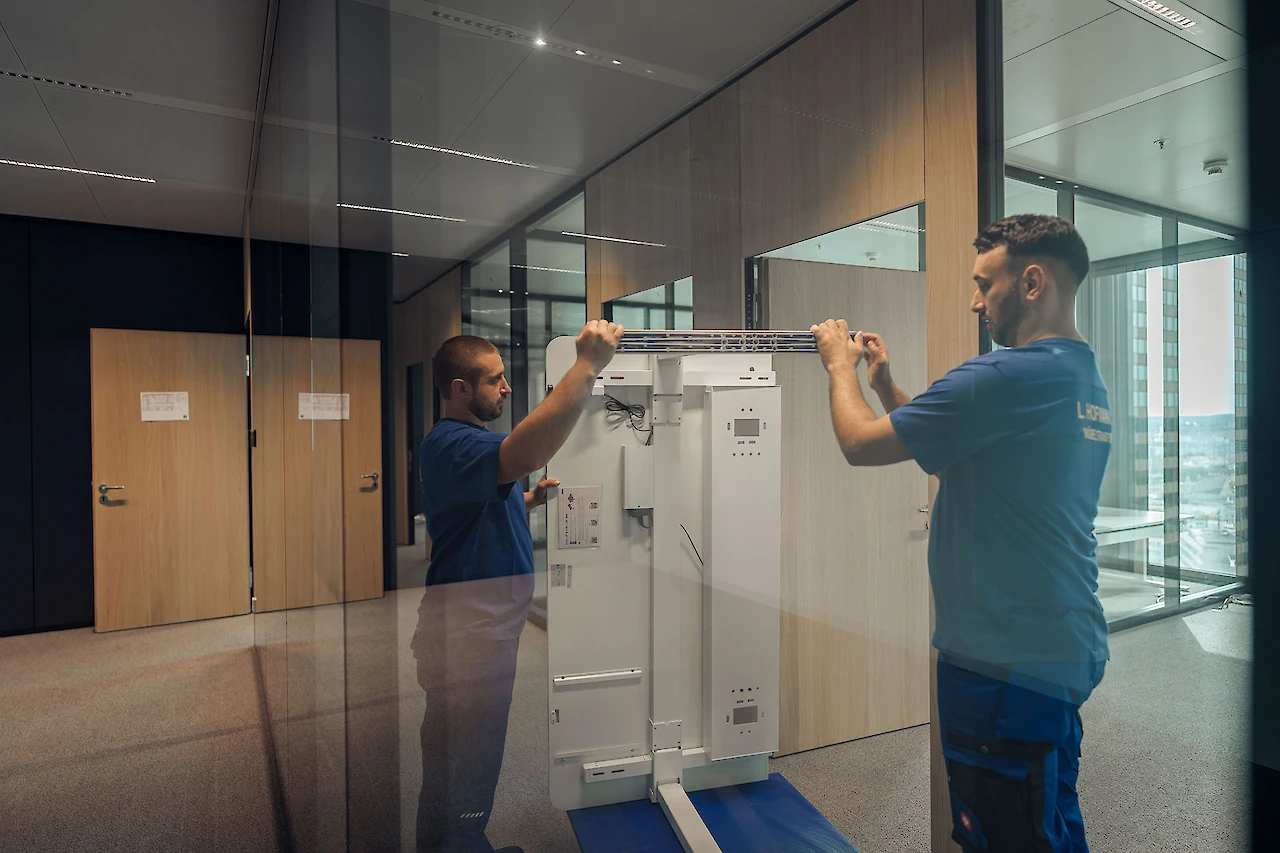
(1019, 439)
(480, 581)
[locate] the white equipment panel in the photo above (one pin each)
(663, 637)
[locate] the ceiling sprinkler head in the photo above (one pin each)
(1215, 167)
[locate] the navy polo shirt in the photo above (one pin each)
(1020, 440)
(481, 548)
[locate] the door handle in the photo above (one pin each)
(925, 510)
(373, 487)
(104, 490)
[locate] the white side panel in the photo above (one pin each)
(742, 575)
(601, 613)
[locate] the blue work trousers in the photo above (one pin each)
(1013, 756)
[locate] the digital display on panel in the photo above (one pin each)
(746, 426)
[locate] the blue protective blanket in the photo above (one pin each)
(768, 817)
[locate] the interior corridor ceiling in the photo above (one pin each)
(167, 91)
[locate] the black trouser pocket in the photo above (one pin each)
(997, 810)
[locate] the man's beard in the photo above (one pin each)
(1012, 312)
(487, 413)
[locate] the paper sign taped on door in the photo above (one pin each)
(165, 406)
(324, 407)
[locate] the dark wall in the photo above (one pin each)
(64, 278)
(17, 579)
(1263, 27)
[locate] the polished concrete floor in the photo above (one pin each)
(157, 740)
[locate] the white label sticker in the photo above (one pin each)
(324, 407)
(580, 516)
(165, 406)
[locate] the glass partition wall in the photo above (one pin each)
(1164, 309)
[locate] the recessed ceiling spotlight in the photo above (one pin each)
(617, 62)
(580, 52)
(611, 239)
(400, 212)
(400, 254)
(73, 171)
(455, 152)
(1058, 182)
(540, 42)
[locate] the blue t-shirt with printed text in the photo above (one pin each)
(1020, 440)
(480, 541)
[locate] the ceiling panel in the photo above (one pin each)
(570, 114)
(170, 207)
(1109, 59)
(482, 191)
(1031, 23)
(436, 74)
(1117, 152)
(1229, 13)
(192, 49)
(119, 135)
(55, 195)
(8, 57)
(409, 275)
(686, 36)
(27, 133)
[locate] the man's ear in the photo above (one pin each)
(459, 386)
(1035, 278)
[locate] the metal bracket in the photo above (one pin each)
(665, 735)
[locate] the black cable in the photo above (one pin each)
(695, 547)
(634, 413)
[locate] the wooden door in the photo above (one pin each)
(362, 469)
(317, 520)
(171, 543)
(855, 588)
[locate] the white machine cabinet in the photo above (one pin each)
(663, 573)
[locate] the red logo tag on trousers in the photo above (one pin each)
(966, 822)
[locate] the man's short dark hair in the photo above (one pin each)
(459, 358)
(1030, 234)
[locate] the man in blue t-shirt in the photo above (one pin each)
(480, 581)
(1019, 439)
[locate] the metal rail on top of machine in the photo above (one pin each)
(728, 341)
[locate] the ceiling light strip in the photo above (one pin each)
(612, 239)
(66, 84)
(1162, 11)
(400, 212)
(456, 153)
(550, 269)
(78, 171)
(400, 254)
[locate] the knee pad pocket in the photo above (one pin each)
(997, 794)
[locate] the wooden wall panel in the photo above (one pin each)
(716, 213)
(832, 127)
(951, 192)
(361, 456)
(422, 323)
(855, 586)
(644, 196)
(269, 514)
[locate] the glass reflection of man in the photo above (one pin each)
(480, 582)
(1019, 438)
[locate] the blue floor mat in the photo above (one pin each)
(763, 816)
